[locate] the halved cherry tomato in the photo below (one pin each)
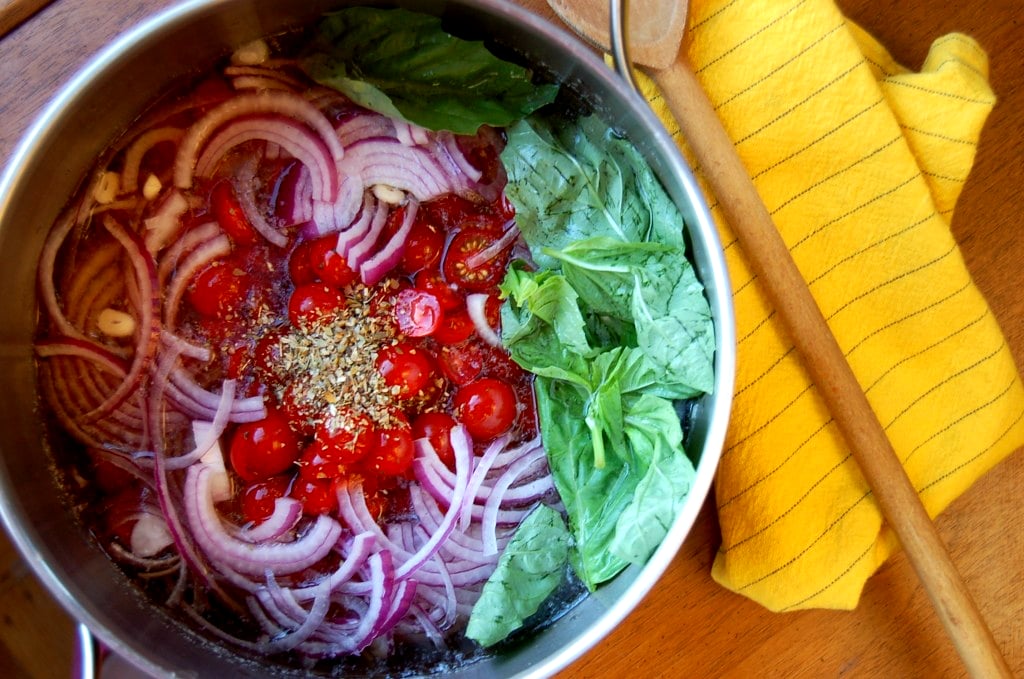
(218, 290)
(394, 452)
(328, 264)
(437, 428)
(229, 214)
(455, 327)
(406, 366)
(457, 269)
(264, 448)
(313, 302)
(259, 497)
(417, 312)
(447, 294)
(423, 246)
(318, 496)
(461, 363)
(487, 407)
(346, 437)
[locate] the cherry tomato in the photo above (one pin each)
(258, 498)
(300, 264)
(346, 437)
(264, 448)
(487, 407)
(267, 353)
(408, 367)
(461, 363)
(447, 294)
(318, 496)
(328, 264)
(437, 428)
(293, 405)
(394, 452)
(121, 511)
(229, 214)
(423, 247)
(457, 269)
(455, 327)
(417, 312)
(313, 302)
(218, 290)
(448, 210)
(315, 463)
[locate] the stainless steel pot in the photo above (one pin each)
(93, 108)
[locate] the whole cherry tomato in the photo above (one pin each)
(408, 367)
(218, 290)
(487, 407)
(423, 246)
(346, 437)
(456, 326)
(313, 302)
(394, 452)
(258, 498)
(229, 214)
(263, 448)
(436, 427)
(318, 496)
(328, 264)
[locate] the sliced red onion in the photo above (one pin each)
(47, 287)
(284, 104)
(203, 254)
(148, 331)
(207, 436)
(136, 152)
(376, 267)
(253, 559)
(298, 140)
(363, 544)
(245, 189)
(185, 244)
(98, 355)
(491, 507)
(483, 467)
(286, 514)
(184, 347)
(509, 237)
(476, 306)
(370, 219)
(462, 446)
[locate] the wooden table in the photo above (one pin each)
(688, 625)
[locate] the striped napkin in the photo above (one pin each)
(860, 162)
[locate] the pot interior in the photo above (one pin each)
(51, 164)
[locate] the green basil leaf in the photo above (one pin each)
(403, 64)
(529, 570)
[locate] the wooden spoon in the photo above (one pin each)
(655, 45)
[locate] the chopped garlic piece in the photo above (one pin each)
(150, 536)
(151, 189)
(252, 53)
(388, 194)
(107, 188)
(114, 323)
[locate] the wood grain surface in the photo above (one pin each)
(688, 625)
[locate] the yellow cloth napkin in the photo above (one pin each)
(860, 163)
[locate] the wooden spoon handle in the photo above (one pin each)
(771, 261)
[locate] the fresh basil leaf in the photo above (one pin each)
(529, 570)
(593, 498)
(655, 435)
(573, 182)
(403, 64)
